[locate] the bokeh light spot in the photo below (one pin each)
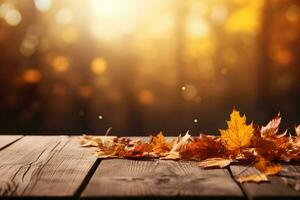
(219, 14)
(32, 76)
(281, 56)
(197, 27)
(13, 17)
(69, 34)
(28, 45)
(60, 63)
(146, 97)
(43, 5)
(64, 16)
(98, 66)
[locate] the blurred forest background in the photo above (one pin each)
(141, 66)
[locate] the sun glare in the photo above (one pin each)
(112, 19)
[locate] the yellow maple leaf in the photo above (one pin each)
(238, 134)
(159, 145)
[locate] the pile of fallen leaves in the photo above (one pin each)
(262, 147)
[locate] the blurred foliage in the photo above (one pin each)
(143, 66)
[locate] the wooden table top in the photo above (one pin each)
(56, 167)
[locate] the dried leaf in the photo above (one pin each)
(181, 142)
(239, 134)
(239, 142)
(103, 155)
(271, 128)
(95, 141)
(159, 146)
(266, 167)
(111, 151)
(255, 178)
(138, 151)
(272, 148)
(296, 140)
(215, 162)
(172, 156)
(203, 147)
(297, 130)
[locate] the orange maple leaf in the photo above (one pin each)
(203, 147)
(238, 134)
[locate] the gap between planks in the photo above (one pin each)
(87, 179)
(250, 190)
(277, 187)
(7, 140)
(45, 166)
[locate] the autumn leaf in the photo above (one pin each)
(159, 146)
(171, 156)
(180, 144)
(267, 167)
(102, 154)
(95, 141)
(296, 140)
(239, 134)
(89, 141)
(203, 147)
(110, 151)
(238, 143)
(271, 128)
(273, 146)
(297, 130)
(215, 162)
(255, 178)
(138, 151)
(291, 150)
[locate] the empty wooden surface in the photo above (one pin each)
(43, 166)
(276, 188)
(56, 167)
(8, 139)
(124, 178)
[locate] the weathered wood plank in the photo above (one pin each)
(159, 178)
(44, 166)
(291, 176)
(275, 188)
(5, 140)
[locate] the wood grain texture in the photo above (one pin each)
(291, 176)
(6, 140)
(159, 178)
(276, 188)
(44, 166)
